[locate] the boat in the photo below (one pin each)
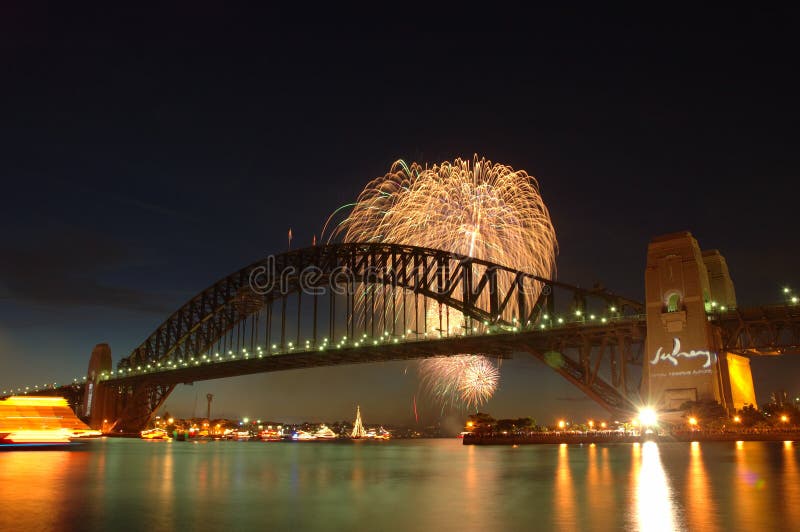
(38, 421)
(242, 435)
(270, 435)
(81, 434)
(154, 434)
(325, 433)
(379, 434)
(302, 435)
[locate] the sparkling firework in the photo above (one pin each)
(476, 208)
(468, 380)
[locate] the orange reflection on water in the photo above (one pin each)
(35, 485)
(564, 492)
(700, 506)
(599, 489)
(790, 492)
(472, 485)
(749, 493)
(654, 506)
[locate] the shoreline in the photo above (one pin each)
(699, 436)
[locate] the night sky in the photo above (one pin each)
(146, 154)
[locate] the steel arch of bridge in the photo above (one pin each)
(221, 317)
(453, 280)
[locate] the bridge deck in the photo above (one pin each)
(496, 344)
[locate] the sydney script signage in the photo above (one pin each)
(672, 358)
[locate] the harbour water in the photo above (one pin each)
(131, 484)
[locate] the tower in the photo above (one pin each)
(684, 288)
(209, 397)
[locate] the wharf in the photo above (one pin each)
(587, 438)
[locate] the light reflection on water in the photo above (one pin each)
(402, 485)
(701, 510)
(654, 505)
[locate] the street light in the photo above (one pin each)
(692, 421)
(784, 418)
(737, 419)
(561, 424)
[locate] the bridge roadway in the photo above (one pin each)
(769, 330)
(496, 343)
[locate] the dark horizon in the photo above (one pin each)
(147, 154)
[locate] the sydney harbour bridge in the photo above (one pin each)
(355, 303)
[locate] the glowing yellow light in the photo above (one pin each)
(737, 419)
(692, 421)
(603, 424)
(591, 423)
(470, 424)
(561, 424)
(784, 418)
(648, 416)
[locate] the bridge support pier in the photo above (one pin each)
(96, 397)
(684, 360)
(114, 408)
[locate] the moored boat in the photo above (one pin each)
(154, 434)
(325, 433)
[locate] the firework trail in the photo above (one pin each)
(477, 208)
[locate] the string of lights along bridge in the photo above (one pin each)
(261, 351)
